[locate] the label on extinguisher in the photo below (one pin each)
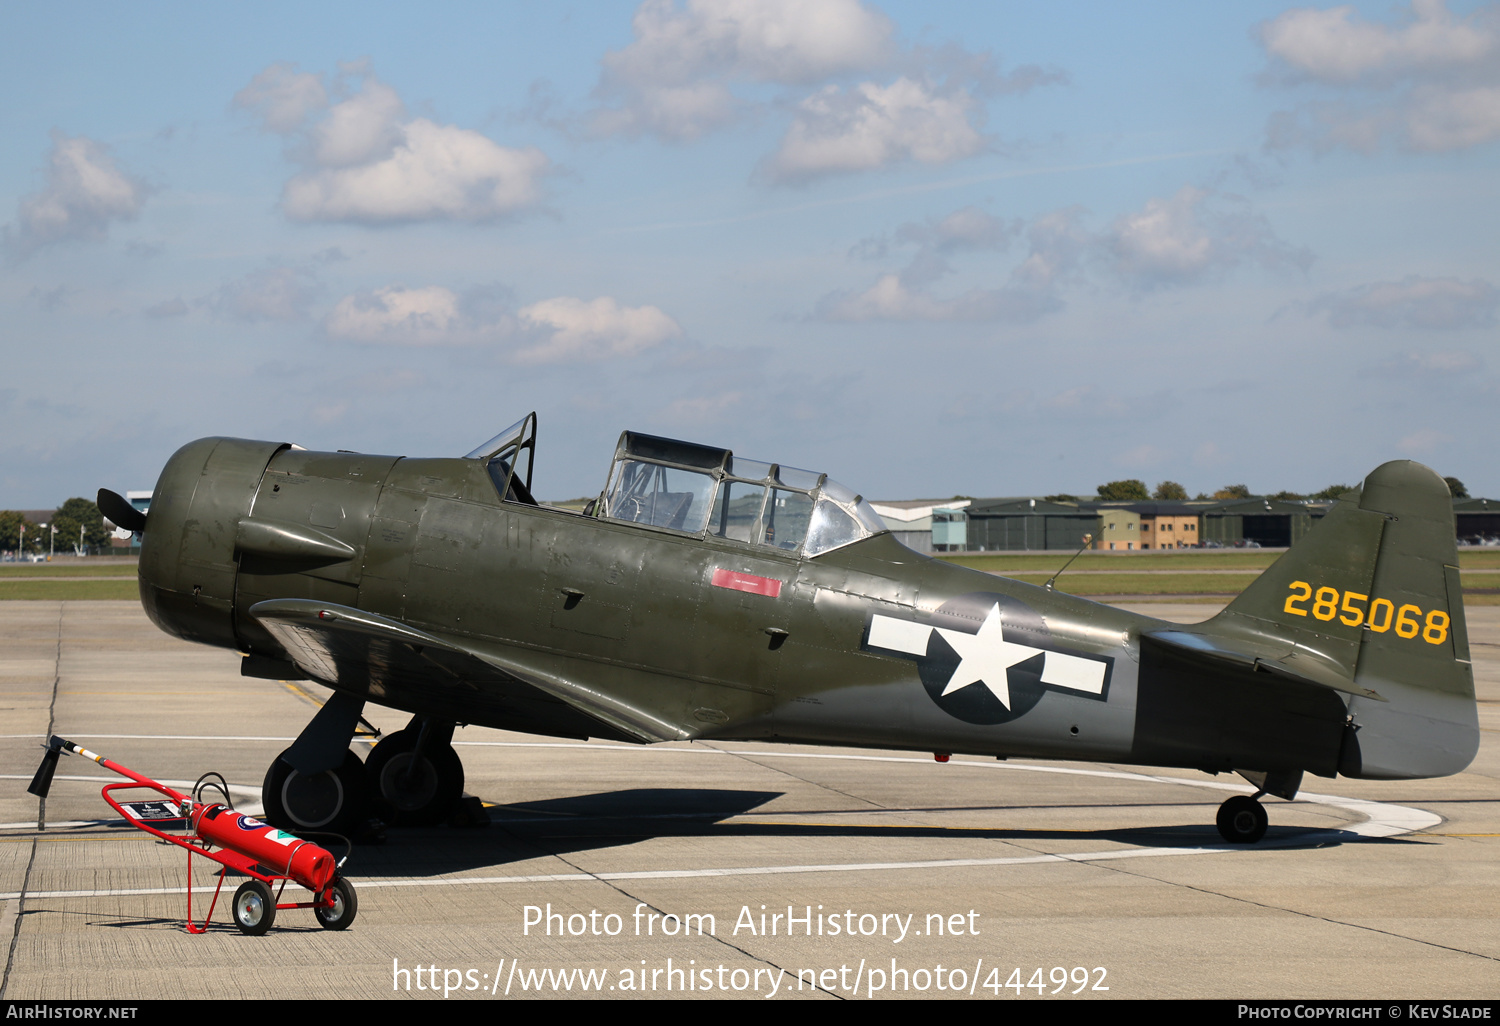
(271, 833)
(157, 812)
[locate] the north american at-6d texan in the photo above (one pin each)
(705, 596)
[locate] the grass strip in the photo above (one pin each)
(66, 570)
(64, 589)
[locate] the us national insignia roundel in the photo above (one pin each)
(987, 658)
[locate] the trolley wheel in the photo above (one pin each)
(332, 801)
(415, 795)
(254, 908)
(345, 906)
(1242, 820)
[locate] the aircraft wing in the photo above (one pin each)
(1264, 653)
(433, 674)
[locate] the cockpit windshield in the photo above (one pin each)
(508, 458)
(700, 490)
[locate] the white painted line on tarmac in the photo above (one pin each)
(242, 791)
(158, 737)
(1380, 820)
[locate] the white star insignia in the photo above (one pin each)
(985, 658)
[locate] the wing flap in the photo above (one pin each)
(367, 653)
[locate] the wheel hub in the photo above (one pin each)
(250, 909)
(407, 786)
(312, 801)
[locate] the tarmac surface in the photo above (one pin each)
(904, 877)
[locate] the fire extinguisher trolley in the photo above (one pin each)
(246, 845)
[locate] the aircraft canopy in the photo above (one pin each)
(698, 489)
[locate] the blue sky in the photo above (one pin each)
(989, 249)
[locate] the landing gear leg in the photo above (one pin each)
(415, 775)
(1242, 820)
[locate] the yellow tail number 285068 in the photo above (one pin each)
(1357, 610)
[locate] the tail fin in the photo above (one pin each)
(1370, 602)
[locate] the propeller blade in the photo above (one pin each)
(120, 512)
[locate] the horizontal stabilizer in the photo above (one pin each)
(1272, 657)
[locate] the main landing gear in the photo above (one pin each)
(412, 778)
(415, 775)
(326, 801)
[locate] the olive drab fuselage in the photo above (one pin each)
(605, 626)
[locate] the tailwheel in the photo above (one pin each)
(254, 908)
(1242, 820)
(332, 801)
(345, 906)
(415, 790)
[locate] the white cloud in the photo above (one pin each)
(1059, 246)
(562, 329)
(1332, 46)
(673, 80)
(968, 227)
(275, 294)
(1448, 118)
(698, 66)
(1193, 236)
(366, 162)
(1431, 83)
(283, 97)
(891, 300)
(436, 172)
(904, 296)
(575, 329)
(85, 191)
(360, 130)
(870, 126)
(1185, 238)
(1413, 302)
(400, 316)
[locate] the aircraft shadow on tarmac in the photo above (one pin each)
(592, 822)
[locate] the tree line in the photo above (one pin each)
(1134, 490)
(74, 520)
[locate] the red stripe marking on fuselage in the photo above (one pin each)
(746, 582)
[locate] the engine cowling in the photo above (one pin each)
(188, 565)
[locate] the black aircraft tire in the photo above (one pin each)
(345, 906)
(333, 801)
(1242, 820)
(254, 908)
(431, 795)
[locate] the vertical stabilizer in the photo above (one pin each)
(1372, 596)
